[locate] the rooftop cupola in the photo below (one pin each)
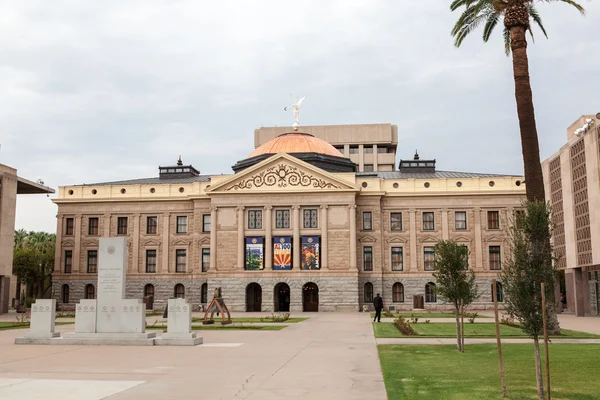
(177, 171)
(417, 165)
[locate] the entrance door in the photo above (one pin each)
(253, 297)
(282, 297)
(310, 297)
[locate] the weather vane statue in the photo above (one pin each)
(296, 108)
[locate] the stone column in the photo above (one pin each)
(478, 241)
(352, 216)
(135, 228)
(106, 225)
(213, 239)
(445, 224)
(165, 267)
(296, 248)
(241, 244)
(375, 158)
(413, 240)
(77, 250)
(324, 244)
(268, 238)
(60, 223)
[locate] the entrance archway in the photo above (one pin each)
(281, 300)
(253, 297)
(310, 297)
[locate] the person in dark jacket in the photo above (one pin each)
(378, 303)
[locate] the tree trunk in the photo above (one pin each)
(458, 333)
(529, 138)
(538, 369)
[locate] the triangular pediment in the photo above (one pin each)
(151, 242)
(90, 243)
(282, 173)
(204, 240)
(367, 239)
(68, 243)
(495, 238)
(396, 239)
(461, 239)
(429, 239)
(182, 242)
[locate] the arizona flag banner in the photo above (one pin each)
(309, 258)
(254, 253)
(282, 253)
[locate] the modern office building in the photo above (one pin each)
(296, 227)
(10, 186)
(572, 183)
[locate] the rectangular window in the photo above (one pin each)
(396, 221)
(311, 218)
(151, 261)
(368, 258)
(92, 261)
(254, 219)
(493, 220)
(368, 149)
(205, 259)
(340, 149)
(460, 220)
(206, 223)
(428, 258)
(428, 221)
(282, 219)
(353, 149)
(93, 226)
(397, 259)
(180, 260)
(382, 150)
(182, 225)
(369, 168)
(122, 226)
(495, 262)
(466, 255)
(69, 228)
(367, 221)
(520, 219)
(68, 261)
(152, 225)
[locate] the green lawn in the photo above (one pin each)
(425, 315)
(441, 372)
(448, 329)
(14, 325)
(251, 320)
(227, 327)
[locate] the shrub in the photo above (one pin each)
(509, 321)
(427, 321)
(404, 327)
(472, 317)
(388, 313)
(276, 318)
(414, 319)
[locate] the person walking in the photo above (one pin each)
(378, 303)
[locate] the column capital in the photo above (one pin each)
(213, 208)
(269, 207)
(296, 207)
(351, 206)
(239, 208)
(324, 207)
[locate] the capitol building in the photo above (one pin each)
(318, 219)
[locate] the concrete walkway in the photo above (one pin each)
(329, 356)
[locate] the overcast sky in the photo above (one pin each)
(93, 91)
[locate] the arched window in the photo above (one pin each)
(398, 293)
(148, 290)
(65, 293)
(179, 291)
(499, 293)
(368, 292)
(430, 293)
(90, 291)
(204, 293)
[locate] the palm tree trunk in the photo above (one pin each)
(529, 137)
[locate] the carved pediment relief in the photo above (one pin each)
(90, 243)
(204, 240)
(367, 239)
(182, 242)
(151, 242)
(396, 239)
(494, 238)
(281, 172)
(462, 239)
(68, 243)
(429, 239)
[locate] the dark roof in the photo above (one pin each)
(155, 180)
(428, 175)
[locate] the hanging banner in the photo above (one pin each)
(282, 253)
(254, 253)
(309, 258)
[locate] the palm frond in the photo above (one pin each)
(537, 19)
(490, 24)
(569, 2)
(471, 18)
(506, 35)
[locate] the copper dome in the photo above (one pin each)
(296, 143)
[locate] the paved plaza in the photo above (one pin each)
(329, 356)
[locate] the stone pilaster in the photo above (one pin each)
(241, 244)
(445, 224)
(107, 220)
(268, 238)
(324, 244)
(77, 250)
(296, 240)
(135, 228)
(352, 216)
(412, 214)
(213, 239)
(165, 248)
(60, 223)
(478, 241)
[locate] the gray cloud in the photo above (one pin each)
(95, 91)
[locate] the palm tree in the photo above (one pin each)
(517, 16)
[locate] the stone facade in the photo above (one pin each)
(202, 224)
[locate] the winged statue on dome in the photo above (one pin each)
(296, 108)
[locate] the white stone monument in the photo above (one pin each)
(179, 326)
(41, 328)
